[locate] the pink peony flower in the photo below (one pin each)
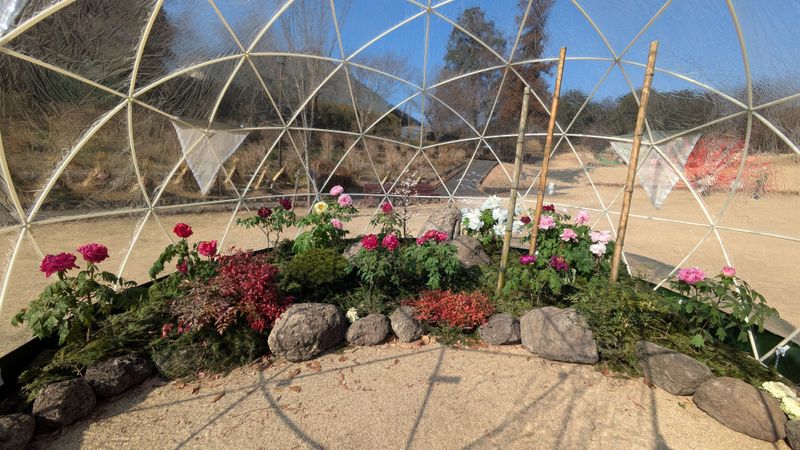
(603, 237)
(285, 203)
(582, 218)
(441, 236)
(264, 212)
(61, 262)
(525, 220)
(93, 253)
(691, 275)
(387, 208)
(527, 259)
(569, 235)
(182, 230)
(337, 190)
(345, 200)
(546, 222)
(182, 267)
(728, 272)
(337, 224)
(369, 242)
(390, 242)
(559, 263)
(165, 329)
(207, 248)
(599, 249)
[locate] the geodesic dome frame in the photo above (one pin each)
(272, 57)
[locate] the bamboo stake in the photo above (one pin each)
(633, 163)
(523, 119)
(548, 148)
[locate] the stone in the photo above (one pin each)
(63, 403)
(672, 371)
(741, 407)
(116, 375)
(351, 251)
(470, 252)
(405, 326)
(558, 334)
(793, 434)
(307, 329)
(16, 430)
(447, 219)
(500, 329)
(370, 330)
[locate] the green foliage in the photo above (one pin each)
(704, 302)
(526, 288)
(72, 306)
(321, 232)
(432, 265)
(379, 269)
(272, 221)
(366, 301)
(189, 262)
(389, 221)
(318, 274)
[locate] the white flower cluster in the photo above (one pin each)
(790, 404)
(352, 315)
(471, 217)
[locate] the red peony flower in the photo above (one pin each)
(559, 263)
(207, 248)
(182, 267)
(286, 203)
(165, 329)
(182, 230)
(441, 236)
(93, 253)
(387, 208)
(264, 212)
(390, 242)
(369, 242)
(551, 207)
(525, 220)
(61, 262)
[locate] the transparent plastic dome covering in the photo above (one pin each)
(119, 119)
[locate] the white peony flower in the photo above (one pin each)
(352, 315)
(599, 249)
(499, 215)
(778, 389)
(473, 219)
(791, 406)
(499, 229)
(492, 202)
(517, 226)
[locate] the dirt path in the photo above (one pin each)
(406, 396)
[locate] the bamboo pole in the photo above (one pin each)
(548, 148)
(633, 162)
(523, 119)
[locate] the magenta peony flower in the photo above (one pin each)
(345, 200)
(546, 222)
(582, 218)
(369, 242)
(61, 262)
(602, 237)
(728, 272)
(207, 248)
(569, 235)
(285, 203)
(441, 236)
(691, 275)
(93, 253)
(559, 263)
(551, 207)
(337, 224)
(182, 230)
(182, 267)
(264, 212)
(390, 242)
(527, 259)
(387, 208)
(337, 190)
(525, 220)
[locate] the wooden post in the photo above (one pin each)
(512, 201)
(548, 148)
(633, 162)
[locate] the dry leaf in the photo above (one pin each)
(426, 340)
(315, 366)
(219, 396)
(343, 359)
(295, 388)
(649, 383)
(294, 373)
(195, 390)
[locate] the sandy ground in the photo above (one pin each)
(405, 396)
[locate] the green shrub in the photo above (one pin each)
(318, 274)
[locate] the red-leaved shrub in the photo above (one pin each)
(244, 288)
(456, 309)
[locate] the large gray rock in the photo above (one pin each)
(405, 326)
(672, 371)
(370, 330)
(116, 375)
(470, 252)
(63, 403)
(500, 329)
(793, 434)
(558, 334)
(351, 251)
(447, 219)
(741, 407)
(307, 329)
(16, 430)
